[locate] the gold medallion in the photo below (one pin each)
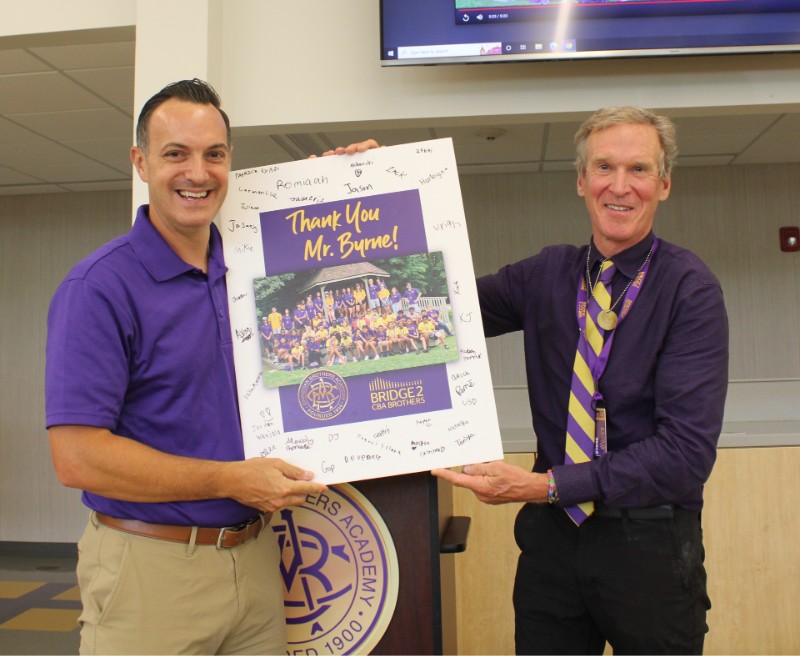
(607, 319)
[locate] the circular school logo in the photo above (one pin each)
(340, 573)
(322, 394)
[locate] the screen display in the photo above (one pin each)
(418, 32)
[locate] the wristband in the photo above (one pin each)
(552, 493)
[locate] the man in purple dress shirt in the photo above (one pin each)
(632, 573)
(142, 412)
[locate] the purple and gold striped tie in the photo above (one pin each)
(581, 422)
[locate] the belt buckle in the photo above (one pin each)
(233, 529)
(238, 528)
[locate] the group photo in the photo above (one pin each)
(356, 319)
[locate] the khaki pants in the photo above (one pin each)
(147, 596)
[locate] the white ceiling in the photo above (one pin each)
(66, 124)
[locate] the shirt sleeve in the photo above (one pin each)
(691, 379)
(502, 306)
(87, 369)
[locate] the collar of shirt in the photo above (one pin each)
(161, 262)
(629, 261)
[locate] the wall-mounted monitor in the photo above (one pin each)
(424, 32)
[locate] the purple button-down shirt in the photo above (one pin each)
(139, 342)
(664, 385)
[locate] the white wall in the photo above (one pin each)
(41, 16)
(315, 62)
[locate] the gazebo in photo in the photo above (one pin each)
(342, 275)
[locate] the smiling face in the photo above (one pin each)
(621, 185)
(185, 166)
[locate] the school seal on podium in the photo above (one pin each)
(340, 573)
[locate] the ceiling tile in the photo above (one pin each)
(787, 124)
(500, 167)
(257, 150)
(560, 141)
(750, 124)
(89, 55)
(558, 165)
(771, 149)
(482, 134)
(713, 144)
(27, 190)
(112, 152)
(11, 133)
(61, 173)
(11, 177)
(81, 124)
(44, 153)
(19, 61)
(779, 144)
(497, 151)
(714, 135)
(36, 92)
(704, 160)
(98, 186)
(115, 85)
(385, 137)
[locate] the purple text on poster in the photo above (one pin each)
(373, 397)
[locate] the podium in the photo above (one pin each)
(417, 510)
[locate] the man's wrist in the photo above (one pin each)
(552, 490)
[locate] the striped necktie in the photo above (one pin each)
(581, 422)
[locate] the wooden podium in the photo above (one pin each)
(417, 510)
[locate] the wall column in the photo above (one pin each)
(175, 40)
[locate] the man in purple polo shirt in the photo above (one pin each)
(142, 412)
(630, 573)
(412, 295)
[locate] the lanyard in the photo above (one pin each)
(597, 363)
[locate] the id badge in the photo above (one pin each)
(600, 431)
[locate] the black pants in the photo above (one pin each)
(639, 584)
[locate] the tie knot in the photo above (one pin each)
(607, 270)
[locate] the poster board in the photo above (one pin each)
(414, 391)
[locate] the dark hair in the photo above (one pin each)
(195, 90)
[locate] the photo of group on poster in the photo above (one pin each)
(355, 318)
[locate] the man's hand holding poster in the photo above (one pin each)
(357, 334)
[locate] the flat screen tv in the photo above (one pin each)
(424, 32)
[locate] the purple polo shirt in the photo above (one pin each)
(412, 295)
(139, 342)
(664, 385)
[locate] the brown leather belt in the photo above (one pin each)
(227, 537)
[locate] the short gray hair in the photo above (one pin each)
(610, 116)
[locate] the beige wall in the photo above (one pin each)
(41, 237)
(729, 216)
(751, 536)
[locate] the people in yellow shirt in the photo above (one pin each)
(274, 319)
(428, 332)
(298, 356)
(360, 294)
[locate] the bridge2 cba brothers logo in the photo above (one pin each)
(340, 573)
